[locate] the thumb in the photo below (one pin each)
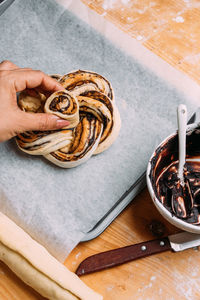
(42, 122)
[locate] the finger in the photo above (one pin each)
(7, 65)
(41, 122)
(31, 79)
(23, 69)
(47, 94)
(31, 92)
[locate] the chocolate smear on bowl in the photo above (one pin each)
(183, 201)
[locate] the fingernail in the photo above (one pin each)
(62, 123)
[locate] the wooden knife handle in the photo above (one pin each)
(122, 255)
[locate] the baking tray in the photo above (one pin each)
(119, 206)
(125, 199)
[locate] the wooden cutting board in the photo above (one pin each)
(171, 30)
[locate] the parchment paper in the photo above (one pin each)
(58, 206)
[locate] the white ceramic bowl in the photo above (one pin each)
(180, 223)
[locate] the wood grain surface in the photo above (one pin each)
(171, 29)
(163, 276)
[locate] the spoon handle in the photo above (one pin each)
(182, 124)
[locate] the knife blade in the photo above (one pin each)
(176, 242)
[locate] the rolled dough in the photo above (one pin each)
(37, 267)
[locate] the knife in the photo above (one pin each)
(176, 242)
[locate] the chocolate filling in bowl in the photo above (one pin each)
(181, 201)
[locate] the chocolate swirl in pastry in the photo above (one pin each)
(43, 142)
(85, 140)
(65, 106)
(106, 112)
(98, 126)
(81, 81)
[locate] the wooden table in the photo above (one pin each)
(171, 29)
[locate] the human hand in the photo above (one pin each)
(13, 120)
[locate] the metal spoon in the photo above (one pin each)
(182, 124)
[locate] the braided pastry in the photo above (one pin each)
(31, 104)
(64, 106)
(88, 103)
(80, 81)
